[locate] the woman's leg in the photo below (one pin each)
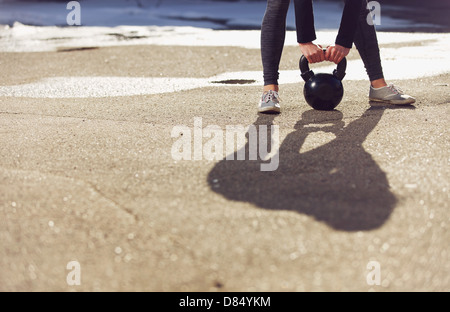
(273, 33)
(367, 44)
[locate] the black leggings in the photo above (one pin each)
(273, 33)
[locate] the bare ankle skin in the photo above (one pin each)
(379, 83)
(270, 87)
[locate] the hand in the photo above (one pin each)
(313, 53)
(336, 53)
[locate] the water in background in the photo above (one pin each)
(214, 14)
(213, 21)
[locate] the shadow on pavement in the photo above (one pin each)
(337, 183)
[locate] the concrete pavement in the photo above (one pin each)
(93, 180)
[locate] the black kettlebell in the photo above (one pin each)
(323, 91)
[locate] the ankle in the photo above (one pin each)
(379, 83)
(270, 87)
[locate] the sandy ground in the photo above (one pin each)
(93, 180)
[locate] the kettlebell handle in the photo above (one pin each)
(307, 74)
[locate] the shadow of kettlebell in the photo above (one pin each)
(323, 91)
(337, 183)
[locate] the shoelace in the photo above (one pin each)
(270, 95)
(395, 89)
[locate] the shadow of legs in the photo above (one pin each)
(337, 183)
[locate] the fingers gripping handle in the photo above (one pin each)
(307, 74)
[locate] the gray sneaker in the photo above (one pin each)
(269, 103)
(390, 95)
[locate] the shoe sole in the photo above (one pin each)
(269, 110)
(395, 102)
